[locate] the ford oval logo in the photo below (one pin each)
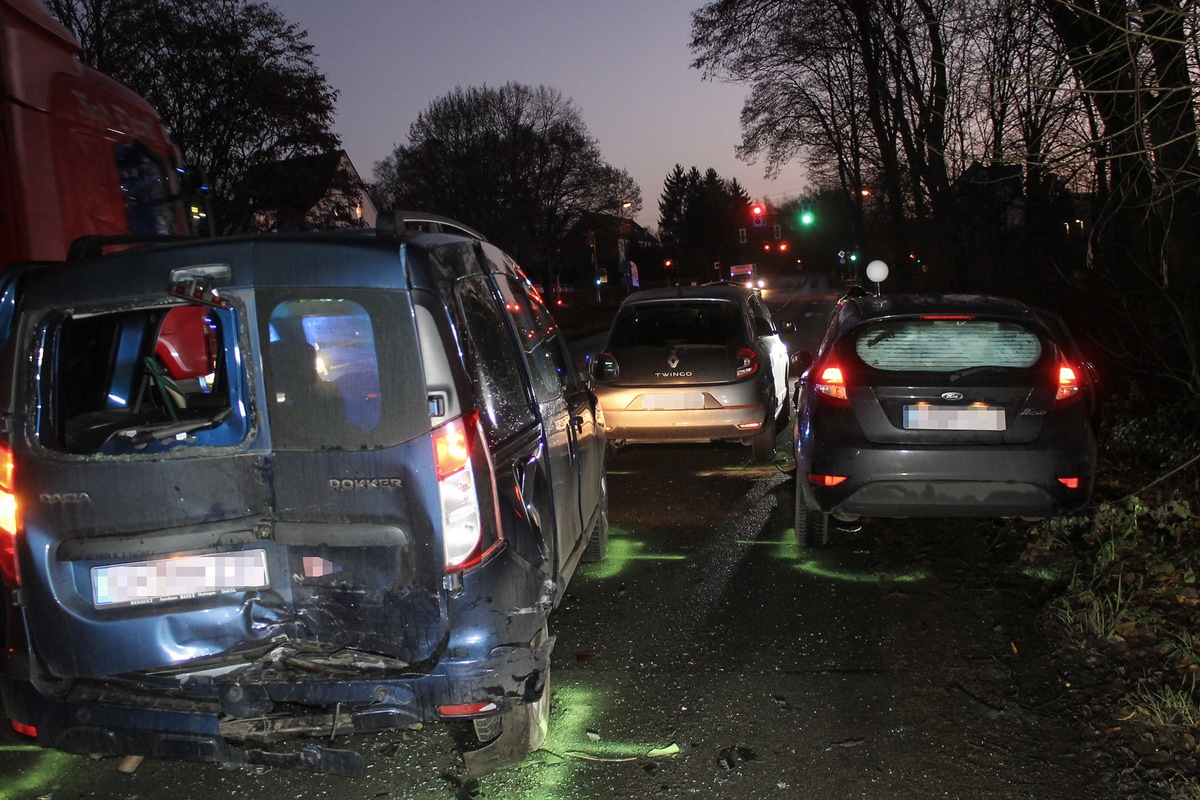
(952, 396)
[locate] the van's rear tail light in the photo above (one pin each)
(831, 384)
(1068, 385)
(469, 530)
(1070, 483)
(825, 480)
(747, 362)
(25, 730)
(9, 519)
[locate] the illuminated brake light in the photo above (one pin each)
(950, 317)
(9, 520)
(747, 362)
(832, 384)
(1070, 483)
(1068, 384)
(25, 730)
(462, 523)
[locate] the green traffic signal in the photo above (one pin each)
(806, 215)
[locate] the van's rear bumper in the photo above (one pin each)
(124, 718)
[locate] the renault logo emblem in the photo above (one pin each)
(952, 396)
(673, 361)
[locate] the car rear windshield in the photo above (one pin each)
(342, 369)
(946, 345)
(141, 380)
(659, 324)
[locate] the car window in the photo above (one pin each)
(495, 370)
(945, 345)
(763, 324)
(550, 366)
(141, 380)
(342, 369)
(659, 324)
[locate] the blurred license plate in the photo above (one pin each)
(180, 577)
(954, 418)
(673, 402)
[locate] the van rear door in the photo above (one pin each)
(175, 520)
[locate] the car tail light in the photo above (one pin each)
(747, 362)
(825, 480)
(1068, 384)
(24, 730)
(1070, 483)
(831, 383)
(467, 537)
(9, 520)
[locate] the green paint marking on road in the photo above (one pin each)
(815, 568)
(622, 552)
(46, 766)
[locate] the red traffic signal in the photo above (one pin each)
(756, 209)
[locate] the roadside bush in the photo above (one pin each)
(1132, 599)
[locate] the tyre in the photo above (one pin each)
(812, 527)
(762, 444)
(597, 546)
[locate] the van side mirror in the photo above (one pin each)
(603, 367)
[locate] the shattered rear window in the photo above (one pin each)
(141, 381)
(946, 345)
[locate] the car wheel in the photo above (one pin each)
(812, 527)
(597, 546)
(762, 444)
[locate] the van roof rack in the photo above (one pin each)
(394, 223)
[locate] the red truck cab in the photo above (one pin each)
(80, 154)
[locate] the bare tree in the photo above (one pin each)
(1137, 63)
(517, 163)
(234, 82)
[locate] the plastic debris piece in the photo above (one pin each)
(129, 764)
(595, 737)
(659, 752)
(601, 759)
(782, 703)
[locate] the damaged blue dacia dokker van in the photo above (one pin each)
(262, 488)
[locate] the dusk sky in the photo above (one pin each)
(623, 63)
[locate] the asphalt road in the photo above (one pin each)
(711, 657)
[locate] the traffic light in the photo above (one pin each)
(853, 256)
(806, 215)
(756, 213)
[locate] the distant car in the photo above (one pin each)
(694, 364)
(942, 406)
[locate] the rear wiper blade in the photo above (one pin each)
(168, 429)
(969, 371)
